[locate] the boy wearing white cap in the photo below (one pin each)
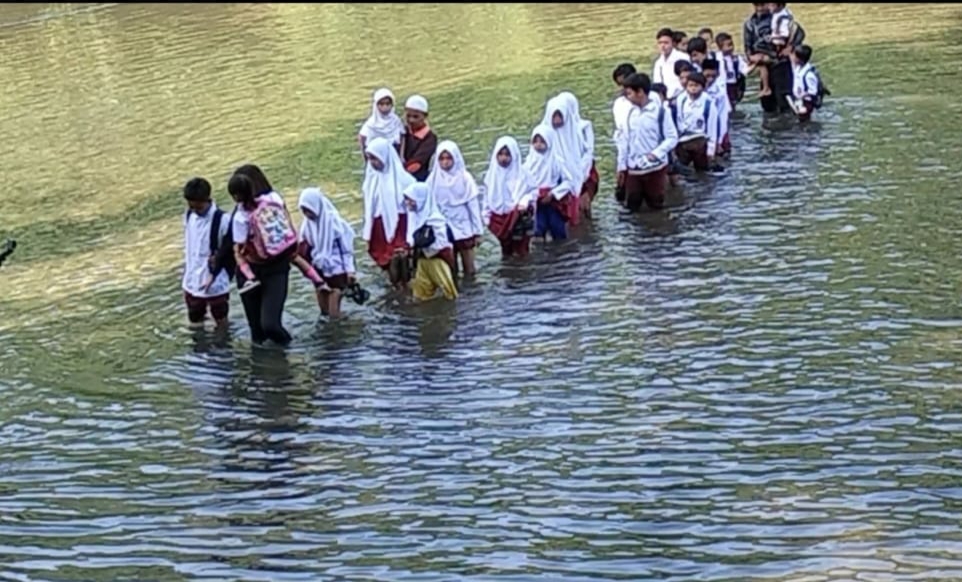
(419, 142)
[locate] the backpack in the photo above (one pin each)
(424, 237)
(822, 89)
(219, 257)
(271, 232)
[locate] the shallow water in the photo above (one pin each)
(758, 383)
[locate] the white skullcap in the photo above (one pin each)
(417, 103)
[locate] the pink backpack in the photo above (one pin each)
(271, 231)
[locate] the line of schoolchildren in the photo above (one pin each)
(423, 210)
(680, 116)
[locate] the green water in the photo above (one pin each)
(757, 383)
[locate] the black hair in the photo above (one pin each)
(660, 88)
(261, 185)
(804, 53)
(678, 36)
(722, 37)
(665, 32)
(709, 65)
(697, 45)
(682, 66)
(242, 189)
(704, 30)
(623, 70)
(639, 82)
(197, 190)
(698, 78)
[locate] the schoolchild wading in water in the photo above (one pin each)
(385, 216)
(509, 195)
(555, 185)
(430, 248)
(457, 195)
(327, 241)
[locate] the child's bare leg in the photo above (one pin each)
(467, 262)
(334, 303)
(323, 300)
(766, 90)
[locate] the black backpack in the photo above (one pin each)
(222, 248)
(822, 92)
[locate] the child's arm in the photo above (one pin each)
(242, 265)
(307, 270)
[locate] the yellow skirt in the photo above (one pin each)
(433, 274)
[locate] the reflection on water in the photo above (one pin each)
(757, 383)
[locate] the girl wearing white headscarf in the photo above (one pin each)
(459, 199)
(383, 121)
(590, 188)
(385, 218)
(569, 146)
(327, 241)
(509, 192)
(435, 261)
(556, 190)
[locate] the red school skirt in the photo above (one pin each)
(381, 249)
(501, 226)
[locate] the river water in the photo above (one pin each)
(758, 383)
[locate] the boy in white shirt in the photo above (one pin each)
(716, 90)
(205, 227)
(697, 118)
(649, 137)
(807, 86)
(733, 68)
(664, 68)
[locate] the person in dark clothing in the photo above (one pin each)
(264, 304)
(757, 34)
(419, 142)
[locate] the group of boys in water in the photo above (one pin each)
(425, 214)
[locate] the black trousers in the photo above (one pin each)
(264, 305)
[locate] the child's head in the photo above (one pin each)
(680, 40)
(661, 90)
(416, 111)
(682, 70)
(709, 69)
(385, 105)
(665, 39)
(707, 35)
(445, 160)
(695, 84)
(374, 161)
(261, 185)
(621, 73)
(725, 43)
(311, 203)
(801, 55)
(242, 190)
(416, 196)
(539, 143)
(504, 157)
(774, 7)
(697, 49)
(637, 87)
(197, 195)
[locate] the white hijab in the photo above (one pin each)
(426, 212)
(452, 187)
(322, 232)
(384, 190)
(587, 129)
(569, 144)
(505, 187)
(387, 126)
(543, 167)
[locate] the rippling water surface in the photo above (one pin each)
(759, 383)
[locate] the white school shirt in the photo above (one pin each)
(197, 232)
(692, 119)
(719, 93)
(242, 218)
(782, 24)
(805, 81)
(731, 66)
(643, 136)
(664, 70)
